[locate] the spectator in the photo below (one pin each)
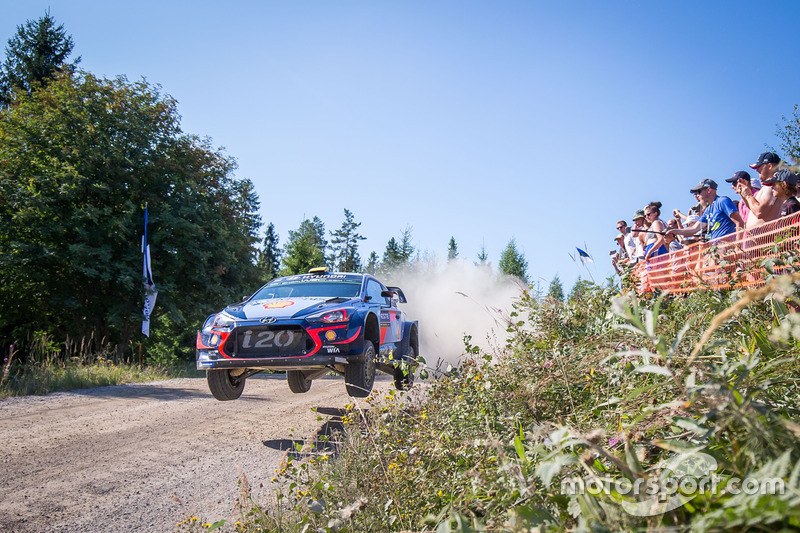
(654, 238)
(742, 178)
(763, 205)
(630, 242)
(684, 221)
(620, 256)
(672, 242)
(720, 218)
(785, 184)
(638, 234)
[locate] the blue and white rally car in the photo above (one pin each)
(309, 325)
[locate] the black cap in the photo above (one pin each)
(741, 175)
(704, 184)
(784, 175)
(766, 157)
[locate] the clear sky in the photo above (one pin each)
(542, 121)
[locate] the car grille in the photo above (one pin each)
(270, 341)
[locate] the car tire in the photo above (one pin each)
(359, 377)
(404, 377)
(223, 385)
(297, 381)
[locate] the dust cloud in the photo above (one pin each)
(455, 299)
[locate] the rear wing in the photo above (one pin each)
(399, 292)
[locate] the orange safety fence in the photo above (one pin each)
(733, 261)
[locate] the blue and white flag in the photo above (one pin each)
(584, 256)
(150, 291)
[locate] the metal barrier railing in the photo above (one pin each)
(731, 262)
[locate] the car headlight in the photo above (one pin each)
(223, 320)
(331, 317)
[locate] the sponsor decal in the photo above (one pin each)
(333, 349)
(206, 363)
(330, 335)
(277, 305)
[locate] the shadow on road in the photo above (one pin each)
(324, 440)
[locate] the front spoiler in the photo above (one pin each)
(279, 363)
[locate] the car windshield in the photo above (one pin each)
(315, 289)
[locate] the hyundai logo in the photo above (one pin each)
(268, 320)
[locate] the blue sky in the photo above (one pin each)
(542, 121)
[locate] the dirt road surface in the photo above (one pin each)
(144, 457)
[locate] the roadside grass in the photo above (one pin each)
(46, 377)
(47, 366)
(604, 389)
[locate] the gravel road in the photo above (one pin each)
(144, 457)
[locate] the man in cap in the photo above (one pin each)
(620, 256)
(719, 219)
(628, 239)
(764, 205)
(742, 179)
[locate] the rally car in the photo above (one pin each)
(310, 325)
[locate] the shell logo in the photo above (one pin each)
(277, 305)
(330, 335)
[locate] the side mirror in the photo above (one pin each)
(387, 294)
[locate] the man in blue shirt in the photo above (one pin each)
(719, 219)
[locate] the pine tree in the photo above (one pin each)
(392, 256)
(269, 257)
(513, 263)
(306, 248)
(345, 245)
(482, 256)
(556, 290)
(372, 263)
(37, 52)
(452, 249)
(406, 248)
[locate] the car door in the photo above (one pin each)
(390, 318)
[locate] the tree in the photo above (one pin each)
(482, 256)
(269, 257)
(345, 245)
(580, 290)
(452, 249)
(306, 248)
(372, 263)
(789, 134)
(79, 159)
(37, 52)
(513, 263)
(556, 291)
(397, 253)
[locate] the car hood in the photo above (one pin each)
(281, 307)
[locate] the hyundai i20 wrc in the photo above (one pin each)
(309, 325)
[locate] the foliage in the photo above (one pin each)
(397, 253)
(482, 256)
(79, 158)
(603, 387)
(344, 243)
(513, 262)
(269, 256)
(372, 263)
(556, 290)
(51, 366)
(452, 249)
(306, 248)
(789, 134)
(34, 55)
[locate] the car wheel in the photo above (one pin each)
(223, 385)
(404, 375)
(359, 377)
(297, 381)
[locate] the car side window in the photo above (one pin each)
(374, 290)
